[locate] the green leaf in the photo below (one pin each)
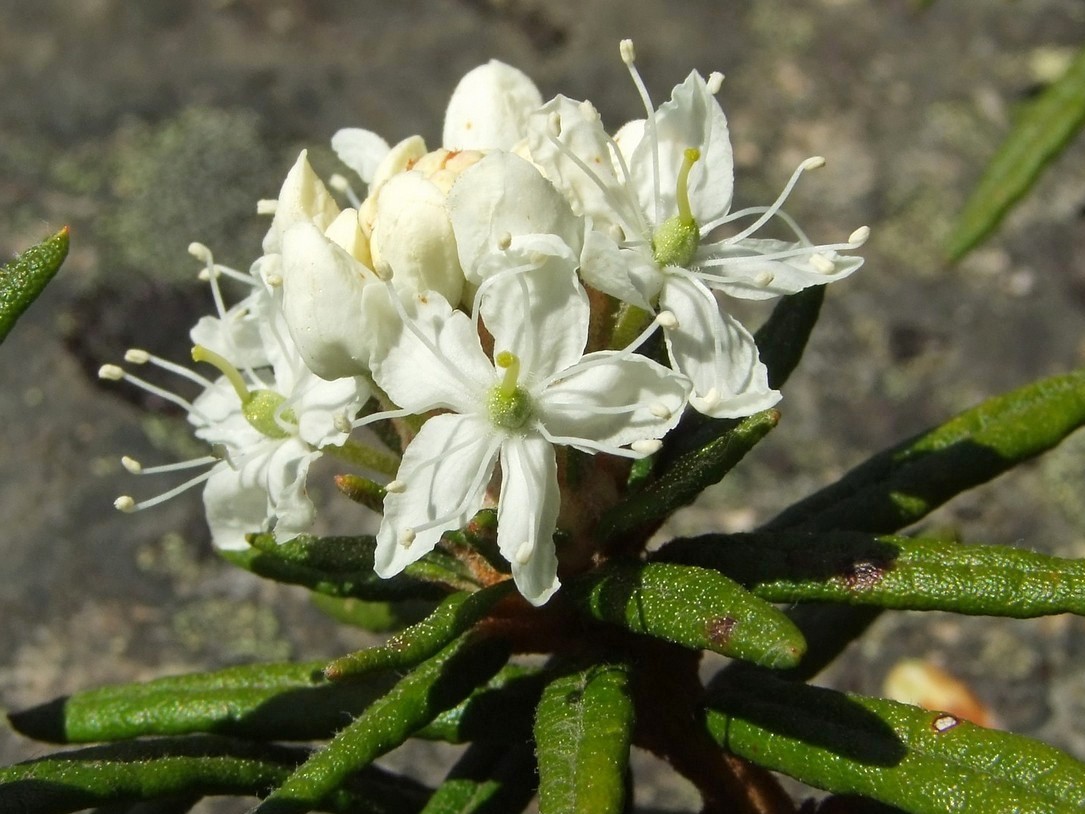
(149, 770)
(454, 616)
(782, 339)
(433, 686)
(901, 573)
(502, 710)
(583, 728)
(924, 762)
(261, 701)
(490, 778)
(900, 485)
(1039, 135)
(25, 277)
(343, 567)
(376, 617)
(690, 606)
(719, 446)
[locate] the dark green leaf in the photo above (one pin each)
(490, 778)
(25, 277)
(433, 686)
(900, 485)
(377, 617)
(717, 447)
(1038, 136)
(583, 729)
(264, 701)
(691, 606)
(782, 339)
(149, 770)
(902, 573)
(924, 762)
(343, 567)
(502, 710)
(454, 616)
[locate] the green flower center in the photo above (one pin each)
(259, 407)
(676, 240)
(509, 405)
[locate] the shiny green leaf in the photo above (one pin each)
(490, 778)
(25, 277)
(430, 688)
(900, 485)
(924, 762)
(782, 339)
(583, 729)
(1038, 136)
(902, 573)
(376, 617)
(695, 607)
(262, 701)
(454, 616)
(503, 709)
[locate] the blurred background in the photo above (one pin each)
(149, 125)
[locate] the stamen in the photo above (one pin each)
(814, 162)
(504, 240)
(811, 163)
(764, 278)
(202, 354)
(341, 185)
(117, 374)
(200, 252)
(707, 401)
(132, 465)
(136, 468)
(822, 263)
(395, 487)
(859, 236)
(667, 320)
(266, 206)
(660, 410)
(427, 343)
(127, 504)
(406, 537)
(714, 83)
(629, 57)
(138, 356)
(553, 124)
(111, 372)
(524, 552)
(646, 446)
(342, 422)
(274, 280)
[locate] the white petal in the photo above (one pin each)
(302, 199)
(444, 368)
(445, 471)
(715, 352)
(347, 234)
(540, 315)
(333, 317)
(630, 275)
(613, 400)
(361, 150)
(489, 108)
(289, 509)
(412, 236)
(233, 510)
(319, 405)
(527, 515)
(501, 197)
(739, 270)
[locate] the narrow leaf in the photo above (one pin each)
(901, 573)
(490, 778)
(924, 762)
(25, 277)
(719, 446)
(583, 729)
(501, 710)
(433, 686)
(376, 617)
(267, 701)
(453, 617)
(694, 607)
(343, 567)
(782, 339)
(150, 770)
(1039, 135)
(900, 485)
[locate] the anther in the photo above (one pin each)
(406, 537)
(274, 280)
(504, 240)
(137, 356)
(524, 552)
(708, 400)
(814, 162)
(764, 278)
(617, 234)
(266, 206)
(338, 183)
(342, 423)
(714, 83)
(629, 54)
(125, 503)
(646, 446)
(589, 111)
(859, 236)
(200, 252)
(553, 124)
(822, 263)
(113, 373)
(395, 487)
(660, 410)
(132, 465)
(667, 320)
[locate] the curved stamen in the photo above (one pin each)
(117, 374)
(127, 504)
(136, 468)
(484, 473)
(809, 164)
(629, 58)
(138, 356)
(661, 319)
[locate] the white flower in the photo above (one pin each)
(656, 193)
(265, 425)
(539, 391)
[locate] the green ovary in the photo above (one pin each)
(509, 405)
(676, 240)
(258, 406)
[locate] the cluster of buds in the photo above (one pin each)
(534, 292)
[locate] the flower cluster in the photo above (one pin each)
(498, 301)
